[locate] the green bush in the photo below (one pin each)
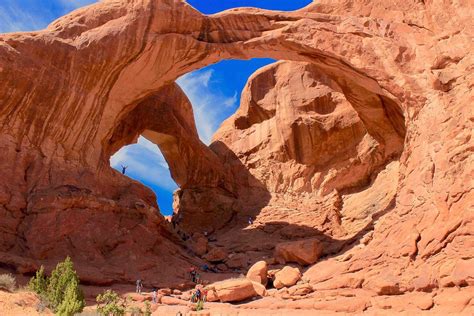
(61, 290)
(7, 282)
(109, 304)
(200, 305)
(39, 283)
(73, 301)
(135, 311)
(147, 309)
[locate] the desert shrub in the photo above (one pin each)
(61, 291)
(135, 311)
(7, 282)
(63, 285)
(109, 304)
(200, 305)
(39, 283)
(73, 301)
(147, 309)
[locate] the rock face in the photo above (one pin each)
(304, 252)
(365, 137)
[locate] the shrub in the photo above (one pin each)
(73, 301)
(61, 291)
(109, 304)
(147, 309)
(39, 283)
(7, 282)
(135, 311)
(200, 305)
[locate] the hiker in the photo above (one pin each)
(154, 294)
(124, 168)
(198, 294)
(139, 286)
(192, 273)
(204, 294)
(250, 220)
(197, 278)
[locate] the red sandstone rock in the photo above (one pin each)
(304, 252)
(235, 290)
(300, 289)
(259, 288)
(286, 277)
(216, 254)
(237, 261)
(258, 273)
(199, 245)
(370, 130)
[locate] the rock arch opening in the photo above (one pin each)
(212, 8)
(145, 163)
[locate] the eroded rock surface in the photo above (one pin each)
(363, 141)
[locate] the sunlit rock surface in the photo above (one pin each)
(364, 141)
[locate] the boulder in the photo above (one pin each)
(165, 291)
(212, 295)
(300, 289)
(139, 297)
(216, 254)
(235, 290)
(304, 252)
(258, 273)
(199, 245)
(222, 267)
(286, 277)
(237, 261)
(259, 289)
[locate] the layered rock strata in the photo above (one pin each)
(75, 92)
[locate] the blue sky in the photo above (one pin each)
(214, 91)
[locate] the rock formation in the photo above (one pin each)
(362, 140)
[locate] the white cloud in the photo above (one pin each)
(231, 102)
(14, 18)
(145, 163)
(18, 16)
(208, 103)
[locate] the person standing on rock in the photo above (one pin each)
(192, 273)
(250, 220)
(139, 286)
(154, 294)
(124, 169)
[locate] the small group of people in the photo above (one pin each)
(199, 294)
(154, 292)
(194, 275)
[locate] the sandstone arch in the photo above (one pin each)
(67, 88)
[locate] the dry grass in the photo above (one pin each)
(7, 282)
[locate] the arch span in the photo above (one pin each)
(119, 60)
